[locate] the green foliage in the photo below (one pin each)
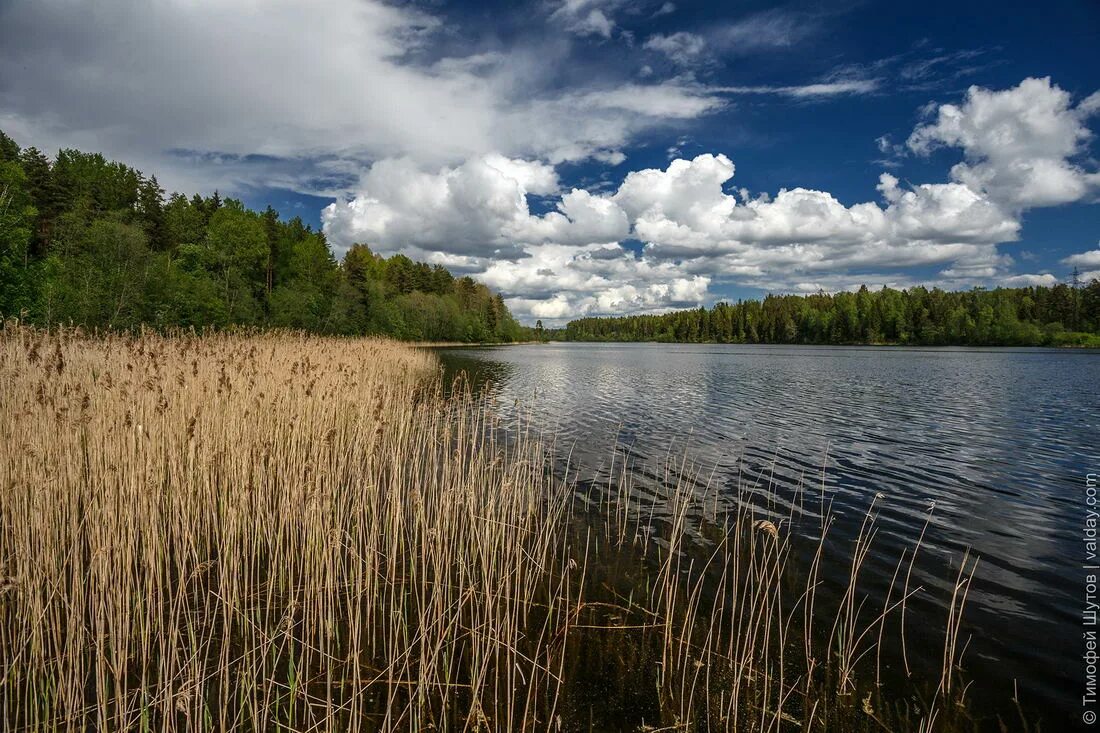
(93, 242)
(1076, 339)
(1034, 316)
(19, 275)
(9, 149)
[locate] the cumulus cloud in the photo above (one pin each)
(696, 229)
(1084, 259)
(557, 282)
(692, 230)
(1019, 143)
(475, 208)
(478, 208)
(475, 218)
(684, 212)
(1021, 281)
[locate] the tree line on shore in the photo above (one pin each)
(1062, 315)
(96, 243)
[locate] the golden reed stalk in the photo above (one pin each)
(275, 531)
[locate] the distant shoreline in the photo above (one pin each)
(886, 345)
(877, 345)
(464, 344)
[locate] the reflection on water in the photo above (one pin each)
(1000, 440)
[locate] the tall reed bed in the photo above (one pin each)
(285, 532)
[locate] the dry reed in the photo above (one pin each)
(284, 532)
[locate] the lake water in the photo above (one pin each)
(1001, 440)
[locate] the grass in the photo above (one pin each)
(294, 533)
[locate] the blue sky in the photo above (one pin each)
(598, 156)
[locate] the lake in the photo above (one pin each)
(1000, 439)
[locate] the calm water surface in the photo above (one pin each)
(1001, 440)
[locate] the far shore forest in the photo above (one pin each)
(90, 242)
(1062, 315)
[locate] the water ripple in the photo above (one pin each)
(1000, 440)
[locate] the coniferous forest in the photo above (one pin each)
(1062, 315)
(96, 243)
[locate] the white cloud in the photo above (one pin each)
(671, 100)
(610, 157)
(475, 218)
(892, 153)
(569, 258)
(685, 198)
(765, 30)
(347, 82)
(212, 79)
(587, 17)
(468, 209)
(683, 212)
(1021, 281)
(835, 88)
(682, 47)
(478, 208)
(568, 261)
(1019, 143)
(598, 122)
(1084, 259)
(770, 30)
(581, 218)
(556, 282)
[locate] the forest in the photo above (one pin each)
(1062, 315)
(90, 242)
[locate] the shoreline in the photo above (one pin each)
(877, 345)
(464, 344)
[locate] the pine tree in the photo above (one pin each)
(43, 190)
(9, 149)
(151, 208)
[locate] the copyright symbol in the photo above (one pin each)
(1089, 717)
